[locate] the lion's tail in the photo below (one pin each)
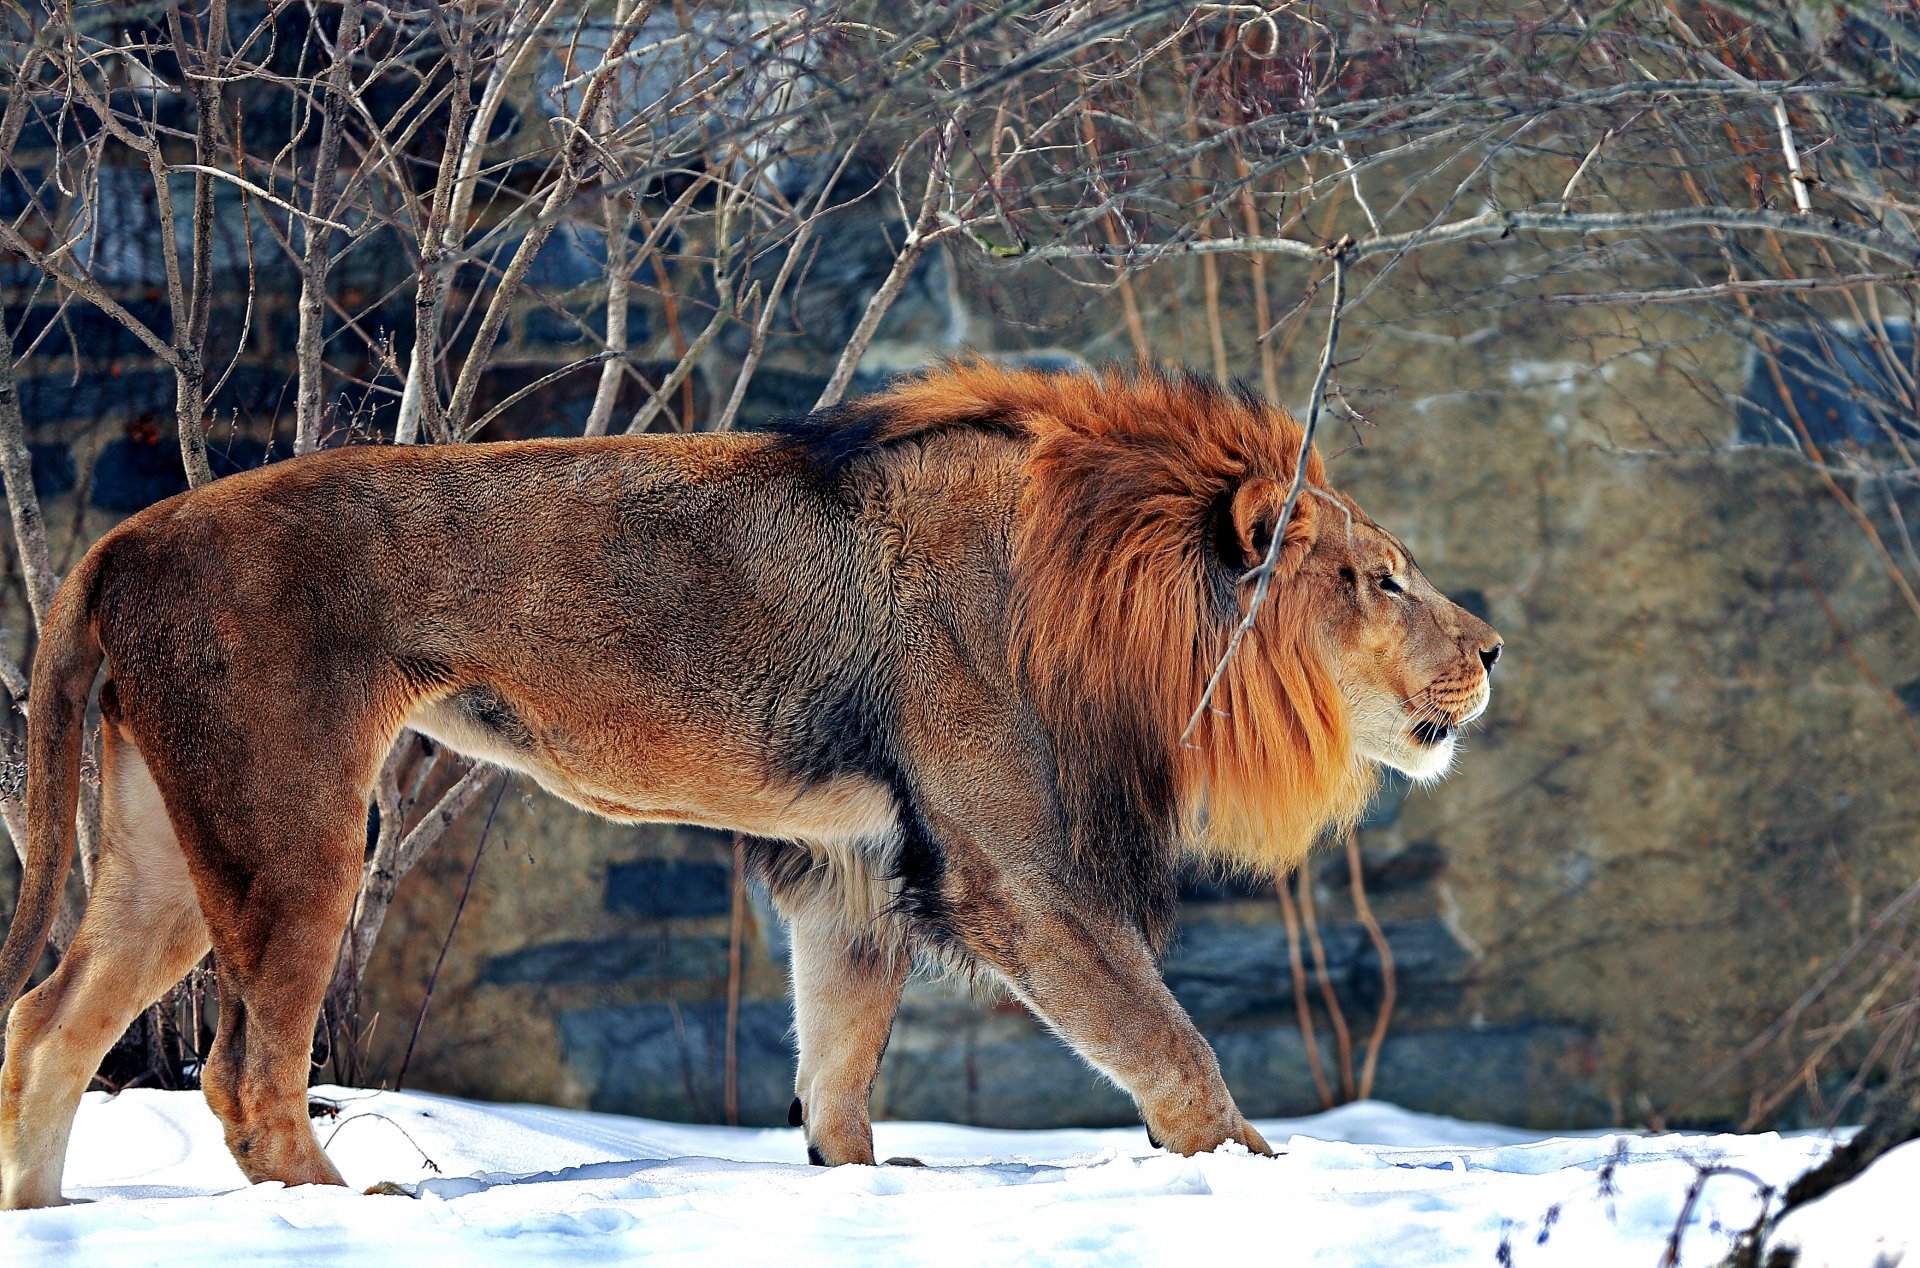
(63, 672)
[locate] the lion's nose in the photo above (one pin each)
(1489, 655)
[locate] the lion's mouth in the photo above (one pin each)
(1432, 731)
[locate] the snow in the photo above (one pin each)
(1872, 1221)
(524, 1185)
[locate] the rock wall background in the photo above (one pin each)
(1696, 781)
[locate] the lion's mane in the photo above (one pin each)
(1122, 606)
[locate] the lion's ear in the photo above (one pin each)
(1256, 505)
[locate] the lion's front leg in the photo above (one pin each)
(1097, 986)
(846, 986)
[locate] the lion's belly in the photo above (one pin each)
(694, 784)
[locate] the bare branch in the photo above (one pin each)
(922, 232)
(313, 272)
(1503, 224)
(385, 870)
(1755, 286)
(23, 504)
(1263, 575)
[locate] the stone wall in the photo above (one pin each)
(1686, 794)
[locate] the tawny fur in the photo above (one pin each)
(933, 651)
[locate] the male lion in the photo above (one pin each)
(934, 651)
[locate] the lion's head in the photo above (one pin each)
(1148, 502)
(1412, 666)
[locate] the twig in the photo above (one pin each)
(1264, 573)
(315, 259)
(1389, 979)
(12, 677)
(1302, 1006)
(1687, 294)
(620, 218)
(736, 929)
(1503, 224)
(23, 504)
(723, 309)
(1336, 1016)
(480, 424)
(923, 231)
(1566, 194)
(386, 868)
(770, 302)
(1670, 1253)
(433, 978)
(577, 160)
(1795, 177)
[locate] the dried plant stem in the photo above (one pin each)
(723, 306)
(736, 931)
(1336, 1016)
(1389, 980)
(1257, 275)
(1303, 1007)
(466, 889)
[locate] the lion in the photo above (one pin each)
(934, 652)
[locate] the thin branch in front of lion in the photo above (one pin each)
(1264, 573)
(459, 909)
(1345, 510)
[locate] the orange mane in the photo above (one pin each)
(1120, 613)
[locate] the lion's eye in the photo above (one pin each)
(1391, 586)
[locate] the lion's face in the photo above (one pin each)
(1413, 665)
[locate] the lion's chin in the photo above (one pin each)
(1421, 762)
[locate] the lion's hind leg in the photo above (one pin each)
(846, 987)
(849, 959)
(141, 933)
(277, 912)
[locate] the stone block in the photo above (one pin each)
(54, 396)
(1223, 971)
(573, 255)
(664, 888)
(1834, 373)
(1532, 1073)
(1026, 1080)
(53, 471)
(669, 1060)
(135, 471)
(94, 335)
(544, 327)
(660, 962)
(774, 394)
(1428, 966)
(1384, 810)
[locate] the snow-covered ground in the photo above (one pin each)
(523, 1185)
